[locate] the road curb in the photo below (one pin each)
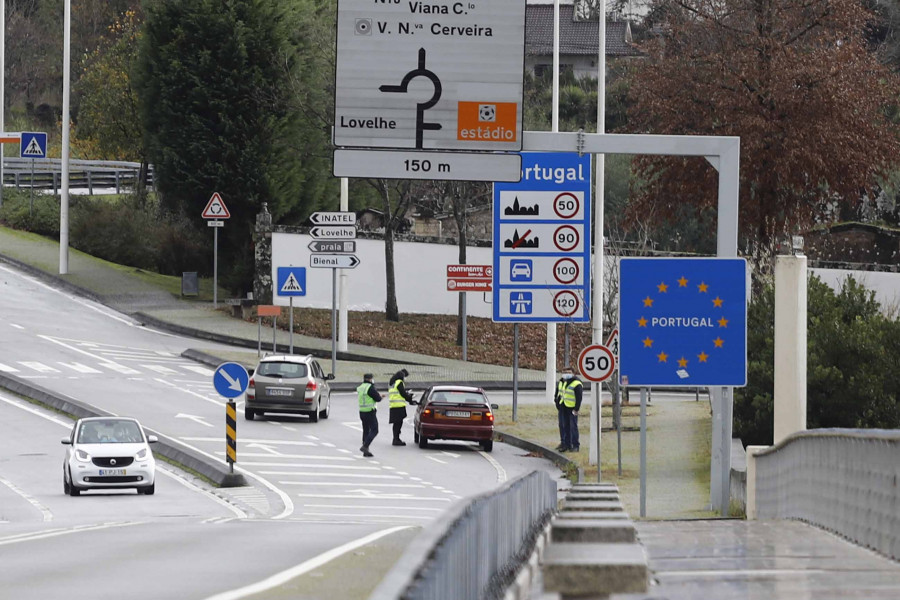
(171, 449)
(562, 462)
(55, 279)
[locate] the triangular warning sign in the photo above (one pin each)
(215, 208)
(291, 284)
(33, 149)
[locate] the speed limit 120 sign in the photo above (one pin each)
(596, 363)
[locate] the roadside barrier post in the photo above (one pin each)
(231, 433)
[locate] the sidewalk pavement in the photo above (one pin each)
(125, 291)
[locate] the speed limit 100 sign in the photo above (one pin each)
(596, 363)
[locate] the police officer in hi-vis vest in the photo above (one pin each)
(399, 397)
(568, 402)
(368, 396)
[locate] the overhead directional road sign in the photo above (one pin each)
(333, 261)
(542, 248)
(231, 379)
(683, 321)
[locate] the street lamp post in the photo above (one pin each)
(64, 191)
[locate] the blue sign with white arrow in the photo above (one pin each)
(291, 281)
(33, 144)
(231, 380)
(683, 322)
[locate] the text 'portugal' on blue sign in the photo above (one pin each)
(683, 322)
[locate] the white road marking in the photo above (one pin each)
(454, 455)
(39, 367)
(80, 367)
(289, 428)
(357, 506)
(309, 474)
(8, 369)
(58, 532)
(216, 401)
(305, 567)
(388, 518)
(307, 465)
(337, 484)
(310, 456)
(159, 369)
(206, 372)
(251, 441)
(195, 419)
(374, 497)
(312, 437)
(443, 462)
(501, 472)
(16, 326)
(47, 515)
(174, 475)
(119, 368)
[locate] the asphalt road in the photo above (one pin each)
(312, 494)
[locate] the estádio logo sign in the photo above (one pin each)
(486, 121)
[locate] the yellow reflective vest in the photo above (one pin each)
(566, 390)
(366, 402)
(395, 398)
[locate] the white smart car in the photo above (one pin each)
(108, 453)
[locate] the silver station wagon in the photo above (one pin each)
(291, 384)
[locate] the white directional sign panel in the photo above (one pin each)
(410, 164)
(332, 246)
(333, 233)
(542, 241)
(333, 218)
(426, 75)
(333, 261)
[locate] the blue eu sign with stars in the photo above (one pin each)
(683, 322)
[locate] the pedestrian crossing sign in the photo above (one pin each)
(291, 281)
(33, 145)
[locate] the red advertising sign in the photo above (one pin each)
(474, 271)
(469, 285)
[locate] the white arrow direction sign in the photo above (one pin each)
(333, 233)
(192, 418)
(333, 218)
(333, 261)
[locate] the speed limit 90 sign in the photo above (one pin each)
(596, 363)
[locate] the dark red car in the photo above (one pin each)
(455, 412)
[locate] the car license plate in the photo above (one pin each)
(464, 414)
(109, 472)
(280, 392)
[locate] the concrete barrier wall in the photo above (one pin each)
(844, 480)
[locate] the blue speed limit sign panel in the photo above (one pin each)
(231, 380)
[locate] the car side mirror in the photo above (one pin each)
(65, 442)
(152, 439)
(329, 377)
(495, 406)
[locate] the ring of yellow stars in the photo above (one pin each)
(703, 356)
(648, 343)
(682, 282)
(662, 356)
(682, 362)
(662, 287)
(718, 342)
(703, 287)
(717, 302)
(723, 322)
(648, 301)
(642, 322)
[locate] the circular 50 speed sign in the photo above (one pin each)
(596, 363)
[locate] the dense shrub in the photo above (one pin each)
(38, 214)
(852, 375)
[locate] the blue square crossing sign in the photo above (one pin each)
(683, 322)
(33, 144)
(291, 281)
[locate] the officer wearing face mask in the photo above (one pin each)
(568, 402)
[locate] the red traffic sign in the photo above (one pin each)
(215, 208)
(468, 284)
(596, 363)
(476, 271)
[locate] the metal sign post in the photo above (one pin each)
(231, 380)
(643, 452)
(515, 371)
(334, 320)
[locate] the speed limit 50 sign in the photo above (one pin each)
(596, 363)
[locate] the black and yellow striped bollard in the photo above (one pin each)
(231, 433)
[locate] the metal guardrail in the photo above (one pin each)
(844, 480)
(474, 551)
(46, 174)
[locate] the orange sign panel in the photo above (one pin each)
(487, 121)
(267, 310)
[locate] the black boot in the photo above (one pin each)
(398, 442)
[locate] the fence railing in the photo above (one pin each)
(843, 480)
(46, 174)
(473, 552)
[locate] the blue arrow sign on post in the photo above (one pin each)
(683, 322)
(231, 380)
(33, 145)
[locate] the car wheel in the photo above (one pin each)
(73, 489)
(415, 436)
(314, 415)
(423, 441)
(327, 412)
(488, 445)
(149, 490)
(65, 485)
(249, 413)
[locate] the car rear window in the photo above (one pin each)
(458, 397)
(284, 370)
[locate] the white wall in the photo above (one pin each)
(885, 285)
(420, 274)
